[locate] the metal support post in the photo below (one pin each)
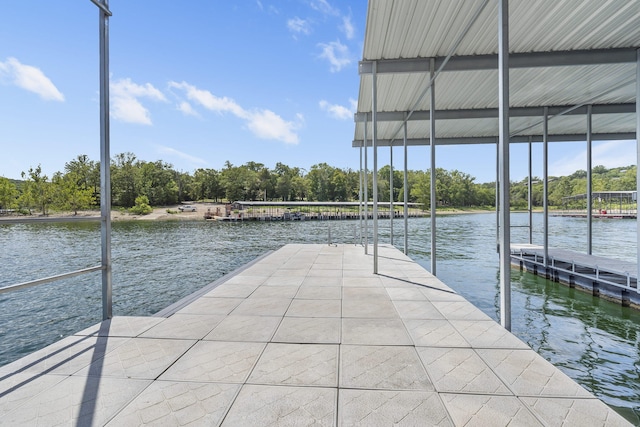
(589, 183)
(374, 139)
(406, 194)
(545, 174)
(530, 197)
(432, 143)
(503, 108)
(497, 197)
(366, 193)
(638, 163)
(360, 195)
(391, 212)
(105, 164)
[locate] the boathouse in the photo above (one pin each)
(441, 73)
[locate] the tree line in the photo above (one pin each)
(136, 183)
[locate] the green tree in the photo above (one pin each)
(267, 183)
(421, 189)
(37, 191)
(206, 185)
(8, 193)
(290, 183)
(141, 206)
(300, 187)
(123, 180)
(239, 182)
(338, 185)
(183, 184)
(320, 185)
(86, 171)
(69, 195)
(156, 181)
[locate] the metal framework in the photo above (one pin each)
(548, 78)
(105, 182)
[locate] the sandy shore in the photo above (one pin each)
(164, 213)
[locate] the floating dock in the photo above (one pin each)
(306, 335)
(600, 215)
(612, 279)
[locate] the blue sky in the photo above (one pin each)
(201, 82)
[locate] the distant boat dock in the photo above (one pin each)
(610, 205)
(605, 277)
(603, 214)
(304, 211)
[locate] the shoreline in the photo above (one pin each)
(163, 213)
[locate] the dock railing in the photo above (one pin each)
(57, 277)
(105, 178)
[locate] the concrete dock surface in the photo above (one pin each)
(307, 335)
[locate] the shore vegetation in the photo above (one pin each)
(138, 185)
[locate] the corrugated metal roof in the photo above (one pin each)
(544, 33)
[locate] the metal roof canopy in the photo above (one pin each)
(503, 71)
(562, 54)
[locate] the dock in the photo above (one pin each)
(615, 280)
(306, 335)
(598, 215)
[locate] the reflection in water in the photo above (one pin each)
(156, 263)
(592, 340)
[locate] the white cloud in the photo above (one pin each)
(347, 27)
(299, 26)
(337, 54)
(209, 100)
(338, 111)
(264, 124)
(187, 109)
(323, 6)
(30, 78)
(176, 153)
(126, 106)
(611, 154)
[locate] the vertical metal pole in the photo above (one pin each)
(432, 143)
(360, 195)
(498, 197)
(406, 194)
(374, 140)
(105, 166)
(366, 192)
(545, 191)
(391, 212)
(530, 197)
(589, 182)
(638, 161)
(505, 225)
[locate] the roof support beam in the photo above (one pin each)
(493, 139)
(516, 60)
(488, 113)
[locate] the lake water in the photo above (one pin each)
(156, 263)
